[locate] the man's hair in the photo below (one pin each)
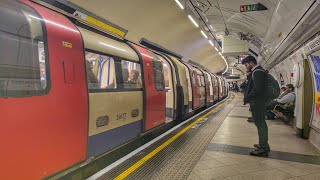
(290, 86)
(249, 59)
(283, 88)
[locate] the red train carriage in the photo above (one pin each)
(44, 100)
(71, 92)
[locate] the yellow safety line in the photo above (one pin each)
(158, 149)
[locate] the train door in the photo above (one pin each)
(210, 87)
(43, 94)
(215, 88)
(155, 95)
(221, 88)
(195, 89)
(169, 88)
(206, 87)
(188, 75)
(202, 89)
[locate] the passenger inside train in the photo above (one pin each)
(134, 79)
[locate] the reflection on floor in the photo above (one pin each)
(226, 156)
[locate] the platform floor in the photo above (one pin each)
(226, 157)
(216, 145)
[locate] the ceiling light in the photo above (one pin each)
(216, 49)
(204, 34)
(220, 53)
(205, 17)
(180, 5)
(191, 19)
(211, 27)
(211, 43)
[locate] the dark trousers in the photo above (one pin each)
(258, 109)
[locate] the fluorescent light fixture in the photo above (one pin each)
(180, 5)
(220, 53)
(211, 27)
(216, 49)
(191, 19)
(204, 34)
(211, 43)
(108, 45)
(205, 17)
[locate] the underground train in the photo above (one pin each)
(69, 92)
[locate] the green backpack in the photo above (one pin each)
(272, 86)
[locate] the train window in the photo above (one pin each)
(202, 81)
(198, 80)
(193, 79)
(210, 80)
(187, 75)
(131, 74)
(158, 79)
(166, 74)
(100, 71)
(23, 51)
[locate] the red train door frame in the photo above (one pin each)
(155, 99)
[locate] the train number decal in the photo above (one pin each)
(122, 116)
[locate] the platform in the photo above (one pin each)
(216, 145)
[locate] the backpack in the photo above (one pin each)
(272, 86)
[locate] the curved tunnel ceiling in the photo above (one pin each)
(256, 22)
(162, 22)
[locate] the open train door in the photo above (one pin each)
(154, 89)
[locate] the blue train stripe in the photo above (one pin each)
(102, 142)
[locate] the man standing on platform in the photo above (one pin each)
(255, 95)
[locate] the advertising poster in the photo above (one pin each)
(315, 67)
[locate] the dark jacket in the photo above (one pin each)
(256, 85)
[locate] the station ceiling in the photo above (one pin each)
(166, 24)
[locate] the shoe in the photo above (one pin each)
(250, 117)
(250, 120)
(258, 146)
(259, 152)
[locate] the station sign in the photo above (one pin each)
(252, 7)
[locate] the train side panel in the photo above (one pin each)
(42, 132)
(115, 92)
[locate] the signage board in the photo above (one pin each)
(252, 7)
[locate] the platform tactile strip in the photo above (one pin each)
(188, 154)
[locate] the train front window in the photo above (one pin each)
(23, 51)
(100, 71)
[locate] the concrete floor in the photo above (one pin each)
(236, 131)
